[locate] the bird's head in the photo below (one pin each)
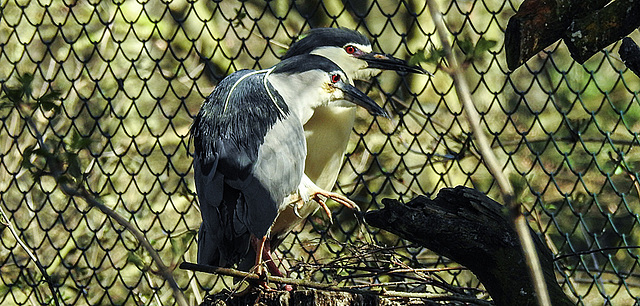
(350, 50)
(308, 81)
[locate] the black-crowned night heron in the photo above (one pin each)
(327, 132)
(250, 151)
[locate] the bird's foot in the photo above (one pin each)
(308, 190)
(262, 247)
(264, 286)
(297, 202)
(263, 282)
(318, 195)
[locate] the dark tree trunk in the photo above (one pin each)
(630, 55)
(473, 230)
(540, 23)
(588, 35)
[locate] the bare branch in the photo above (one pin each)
(33, 257)
(328, 287)
(489, 159)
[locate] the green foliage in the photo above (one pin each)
(472, 52)
(20, 95)
(60, 156)
(181, 242)
(434, 56)
(477, 51)
(237, 20)
(48, 101)
(137, 259)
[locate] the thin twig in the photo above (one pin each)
(439, 282)
(490, 160)
(328, 287)
(384, 284)
(588, 252)
(163, 270)
(544, 139)
(33, 257)
(367, 255)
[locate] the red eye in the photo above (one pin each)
(350, 49)
(335, 78)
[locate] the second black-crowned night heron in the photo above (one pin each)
(249, 152)
(327, 132)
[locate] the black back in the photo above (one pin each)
(244, 122)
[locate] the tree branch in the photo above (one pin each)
(328, 287)
(468, 227)
(45, 275)
(79, 191)
(489, 159)
(540, 23)
(588, 35)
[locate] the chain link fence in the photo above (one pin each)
(100, 96)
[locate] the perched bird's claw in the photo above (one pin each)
(324, 206)
(265, 287)
(334, 196)
(297, 203)
(339, 198)
(295, 211)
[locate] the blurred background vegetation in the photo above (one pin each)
(112, 86)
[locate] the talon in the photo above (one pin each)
(297, 204)
(309, 190)
(324, 206)
(295, 212)
(296, 207)
(338, 198)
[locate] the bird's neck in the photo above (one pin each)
(300, 100)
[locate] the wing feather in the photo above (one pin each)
(248, 156)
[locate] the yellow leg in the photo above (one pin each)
(263, 251)
(258, 245)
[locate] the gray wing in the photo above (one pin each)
(279, 169)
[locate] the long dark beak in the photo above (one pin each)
(357, 97)
(388, 62)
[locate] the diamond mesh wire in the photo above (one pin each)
(131, 75)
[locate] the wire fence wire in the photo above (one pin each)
(112, 87)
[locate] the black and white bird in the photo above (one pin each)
(328, 130)
(250, 150)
